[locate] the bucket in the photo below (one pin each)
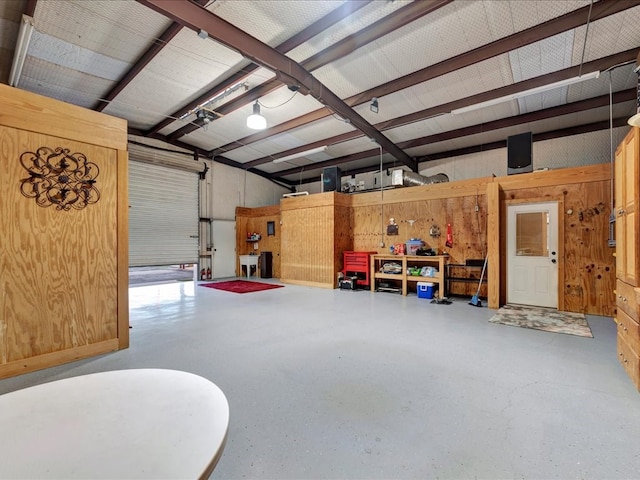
(425, 290)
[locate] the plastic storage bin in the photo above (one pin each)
(425, 290)
(413, 246)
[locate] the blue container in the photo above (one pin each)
(413, 245)
(425, 290)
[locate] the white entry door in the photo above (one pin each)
(532, 254)
(224, 248)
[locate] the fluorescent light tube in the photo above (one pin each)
(20, 53)
(301, 154)
(524, 93)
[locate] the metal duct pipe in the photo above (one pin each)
(411, 179)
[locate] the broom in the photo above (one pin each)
(475, 300)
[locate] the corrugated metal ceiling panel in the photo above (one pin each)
(62, 83)
(116, 28)
(561, 122)
(183, 69)
(105, 37)
(53, 50)
(611, 34)
(350, 26)
(269, 21)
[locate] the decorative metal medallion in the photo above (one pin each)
(57, 177)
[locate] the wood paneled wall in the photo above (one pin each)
(587, 266)
(317, 228)
(250, 220)
(63, 274)
(315, 231)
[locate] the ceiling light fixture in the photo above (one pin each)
(216, 98)
(634, 121)
(203, 34)
(255, 121)
(524, 93)
(22, 45)
(374, 105)
(301, 154)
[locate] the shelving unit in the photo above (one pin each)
(465, 277)
(438, 261)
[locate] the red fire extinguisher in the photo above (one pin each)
(449, 242)
(203, 274)
(208, 273)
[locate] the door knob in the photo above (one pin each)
(553, 253)
(553, 260)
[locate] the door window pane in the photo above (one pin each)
(531, 234)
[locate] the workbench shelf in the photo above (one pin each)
(437, 261)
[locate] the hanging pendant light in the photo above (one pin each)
(634, 121)
(256, 121)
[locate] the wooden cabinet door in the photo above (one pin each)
(620, 225)
(626, 199)
(630, 200)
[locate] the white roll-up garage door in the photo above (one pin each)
(163, 215)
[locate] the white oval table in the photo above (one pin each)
(146, 423)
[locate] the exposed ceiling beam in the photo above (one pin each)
(30, 8)
(600, 64)
(340, 13)
(565, 132)
(288, 71)
(340, 49)
(137, 67)
(538, 115)
(142, 62)
(531, 35)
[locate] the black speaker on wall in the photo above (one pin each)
(331, 177)
(520, 153)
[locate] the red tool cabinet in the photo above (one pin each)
(357, 264)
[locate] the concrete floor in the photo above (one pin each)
(340, 384)
(165, 274)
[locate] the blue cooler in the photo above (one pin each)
(425, 290)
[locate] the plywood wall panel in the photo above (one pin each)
(307, 239)
(59, 268)
(63, 274)
(415, 219)
(343, 240)
(36, 113)
(495, 212)
(250, 220)
(366, 227)
(588, 273)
